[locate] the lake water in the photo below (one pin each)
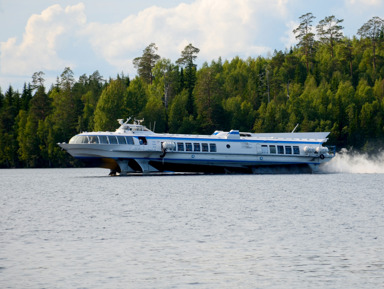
(79, 228)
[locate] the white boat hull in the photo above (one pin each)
(126, 161)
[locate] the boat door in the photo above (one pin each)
(258, 149)
(261, 149)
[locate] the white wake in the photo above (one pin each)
(355, 163)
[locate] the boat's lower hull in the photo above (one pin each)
(220, 169)
(125, 166)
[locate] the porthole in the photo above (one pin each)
(228, 146)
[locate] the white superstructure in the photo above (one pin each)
(134, 148)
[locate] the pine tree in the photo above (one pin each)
(330, 32)
(306, 37)
(373, 30)
(188, 55)
(145, 63)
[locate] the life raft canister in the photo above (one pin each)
(167, 146)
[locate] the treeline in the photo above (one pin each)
(327, 82)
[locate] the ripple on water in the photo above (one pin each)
(80, 229)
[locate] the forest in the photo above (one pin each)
(326, 82)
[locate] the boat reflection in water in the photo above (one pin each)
(133, 148)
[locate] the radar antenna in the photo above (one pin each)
(139, 121)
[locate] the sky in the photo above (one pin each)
(90, 35)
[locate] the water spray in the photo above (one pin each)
(348, 161)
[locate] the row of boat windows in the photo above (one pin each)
(101, 139)
(111, 139)
(196, 147)
(281, 150)
(205, 147)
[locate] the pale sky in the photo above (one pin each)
(90, 35)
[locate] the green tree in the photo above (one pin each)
(240, 113)
(38, 79)
(330, 32)
(373, 30)
(236, 74)
(135, 97)
(110, 106)
(154, 114)
(266, 120)
(26, 97)
(188, 56)
(379, 89)
(28, 140)
(208, 100)
(146, 63)
(66, 107)
(306, 37)
(40, 105)
(370, 121)
(166, 80)
(11, 105)
(177, 112)
(67, 79)
(90, 89)
(9, 110)
(346, 54)
(29, 152)
(8, 150)
(338, 110)
(44, 132)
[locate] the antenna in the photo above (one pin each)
(295, 128)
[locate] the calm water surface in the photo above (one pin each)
(78, 228)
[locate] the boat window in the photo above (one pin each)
(188, 147)
(180, 146)
(103, 139)
(129, 140)
(264, 149)
(121, 139)
(112, 139)
(204, 147)
(84, 139)
(196, 147)
(296, 150)
(288, 150)
(142, 140)
(272, 149)
(280, 150)
(74, 139)
(93, 139)
(212, 147)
